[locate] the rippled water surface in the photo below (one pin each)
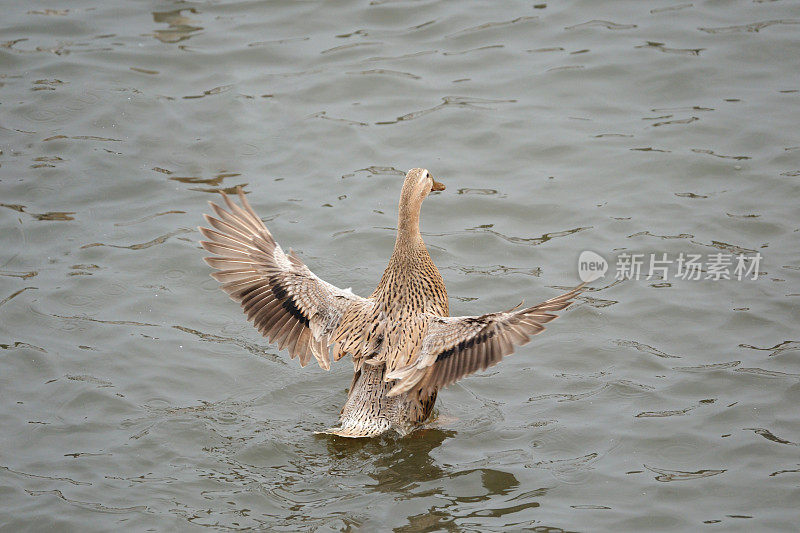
(135, 394)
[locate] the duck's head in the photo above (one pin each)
(417, 185)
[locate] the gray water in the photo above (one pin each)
(134, 394)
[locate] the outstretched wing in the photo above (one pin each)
(455, 347)
(286, 302)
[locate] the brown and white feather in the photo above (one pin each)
(286, 302)
(455, 347)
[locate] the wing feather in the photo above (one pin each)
(286, 302)
(455, 347)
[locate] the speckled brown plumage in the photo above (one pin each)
(404, 345)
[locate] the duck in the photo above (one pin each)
(404, 345)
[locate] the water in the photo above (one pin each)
(134, 394)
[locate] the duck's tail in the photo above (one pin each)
(353, 432)
(368, 412)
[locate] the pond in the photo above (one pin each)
(135, 394)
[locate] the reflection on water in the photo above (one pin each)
(396, 464)
(404, 468)
(180, 26)
(134, 395)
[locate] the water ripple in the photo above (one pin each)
(82, 138)
(567, 67)
(598, 302)
(679, 475)
(150, 217)
(666, 237)
(110, 322)
(93, 506)
(727, 247)
(670, 8)
(603, 24)
(50, 215)
(661, 47)
(779, 472)
(14, 295)
(20, 344)
(278, 41)
(215, 181)
(650, 149)
(767, 434)
(141, 246)
(547, 49)
(18, 274)
(180, 26)
(708, 367)
(482, 192)
(752, 27)
(386, 72)
(39, 476)
(254, 349)
(494, 270)
(785, 346)
(210, 92)
(487, 25)
(766, 373)
(481, 48)
(574, 470)
(666, 413)
(569, 397)
(101, 383)
(711, 152)
(324, 115)
(448, 101)
(644, 348)
(625, 388)
(403, 56)
(688, 109)
(377, 171)
(348, 47)
(676, 121)
(532, 241)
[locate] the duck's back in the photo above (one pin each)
(410, 290)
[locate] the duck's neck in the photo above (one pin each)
(411, 280)
(409, 257)
(408, 236)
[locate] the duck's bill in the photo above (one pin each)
(437, 186)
